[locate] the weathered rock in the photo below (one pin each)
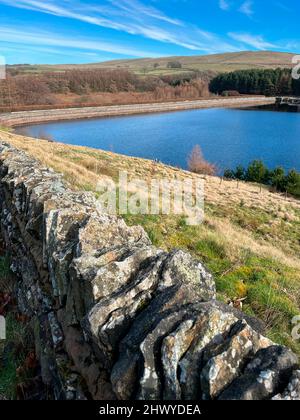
(226, 361)
(174, 347)
(150, 386)
(163, 353)
(263, 376)
(181, 268)
(118, 273)
(292, 392)
(98, 276)
(109, 319)
(85, 362)
(213, 326)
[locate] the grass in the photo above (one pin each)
(13, 350)
(271, 288)
(4, 267)
(249, 239)
(12, 356)
(5, 129)
(7, 363)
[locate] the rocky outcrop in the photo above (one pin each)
(114, 317)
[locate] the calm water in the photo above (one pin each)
(227, 137)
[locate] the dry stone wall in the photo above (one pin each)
(116, 318)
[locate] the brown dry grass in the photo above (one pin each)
(204, 63)
(84, 167)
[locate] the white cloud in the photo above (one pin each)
(136, 6)
(224, 5)
(255, 41)
(247, 8)
(123, 15)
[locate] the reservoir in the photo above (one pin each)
(227, 137)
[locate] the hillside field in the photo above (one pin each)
(215, 63)
(249, 239)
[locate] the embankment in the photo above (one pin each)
(116, 318)
(31, 117)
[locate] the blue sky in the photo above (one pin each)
(82, 31)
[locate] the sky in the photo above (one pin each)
(84, 31)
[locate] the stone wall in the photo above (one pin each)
(114, 317)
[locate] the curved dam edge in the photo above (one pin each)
(15, 119)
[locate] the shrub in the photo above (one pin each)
(174, 65)
(229, 93)
(198, 165)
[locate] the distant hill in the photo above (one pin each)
(204, 63)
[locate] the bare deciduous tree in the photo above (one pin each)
(121, 86)
(198, 165)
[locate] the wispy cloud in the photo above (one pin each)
(26, 36)
(255, 41)
(129, 16)
(224, 5)
(132, 17)
(20, 49)
(247, 8)
(136, 6)
(283, 7)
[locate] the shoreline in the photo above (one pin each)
(22, 118)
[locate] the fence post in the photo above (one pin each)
(2, 328)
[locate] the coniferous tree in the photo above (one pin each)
(293, 183)
(240, 173)
(278, 179)
(258, 82)
(257, 172)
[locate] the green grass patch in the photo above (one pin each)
(4, 267)
(271, 289)
(6, 129)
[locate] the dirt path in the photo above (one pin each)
(31, 117)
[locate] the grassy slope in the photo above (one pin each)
(249, 240)
(215, 63)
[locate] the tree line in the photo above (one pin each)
(50, 88)
(259, 82)
(257, 171)
(278, 178)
